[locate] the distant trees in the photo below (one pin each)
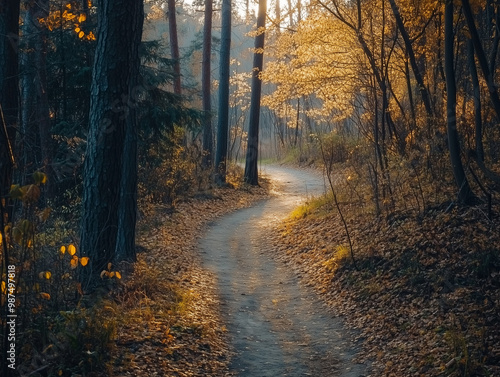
(374, 73)
(109, 192)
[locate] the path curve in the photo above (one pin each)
(277, 326)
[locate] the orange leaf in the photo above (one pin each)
(74, 262)
(45, 296)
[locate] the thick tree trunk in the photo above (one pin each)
(174, 45)
(464, 192)
(251, 168)
(9, 91)
(115, 71)
(205, 84)
(223, 113)
(127, 212)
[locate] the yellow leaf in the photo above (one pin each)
(47, 275)
(45, 296)
(77, 30)
(0, 238)
(112, 274)
(81, 34)
(16, 192)
(82, 17)
(118, 275)
(91, 36)
(74, 262)
(62, 249)
(39, 177)
(71, 249)
(84, 261)
(4, 287)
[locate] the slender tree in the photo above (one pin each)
(464, 192)
(413, 61)
(223, 113)
(481, 57)
(174, 45)
(205, 84)
(251, 169)
(115, 72)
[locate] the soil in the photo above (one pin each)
(277, 325)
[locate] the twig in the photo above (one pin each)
(328, 168)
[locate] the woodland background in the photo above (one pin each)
(110, 112)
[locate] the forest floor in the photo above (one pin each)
(169, 321)
(425, 300)
(277, 326)
(426, 294)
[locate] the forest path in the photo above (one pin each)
(277, 326)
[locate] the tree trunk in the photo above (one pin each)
(9, 91)
(38, 151)
(174, 45)
(413, 61)
(251, 169)
(205, 85)
(477, 102)
(223, 113)
(127, 211)
(481, 57)
(464, 192)
(43, 118)
(115, 71)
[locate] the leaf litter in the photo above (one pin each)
(169, 322)
(426, 298)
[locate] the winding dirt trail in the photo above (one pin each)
(278, 327)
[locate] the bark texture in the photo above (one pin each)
(109, 169)
(464, 191)
(251, 168)
(223, 111)
(205, 84)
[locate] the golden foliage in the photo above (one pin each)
(70, 17)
